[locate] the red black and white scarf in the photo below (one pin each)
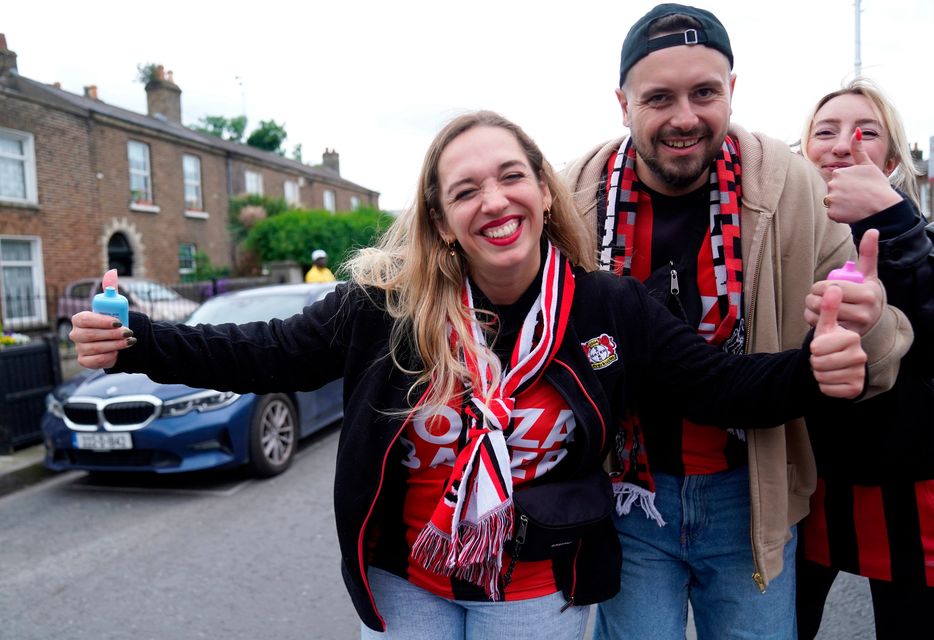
(474, 518)
(719, 281)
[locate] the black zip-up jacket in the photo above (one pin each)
(890, 437)
(347, 334)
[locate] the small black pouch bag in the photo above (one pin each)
(552, 517)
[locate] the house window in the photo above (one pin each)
(191, 166)
(291, 192)
(23, 282)
(354, 203)
(17, 166)
(253, 182)
(140, 179)
(926, 200)
(186, 258)
(330, 201)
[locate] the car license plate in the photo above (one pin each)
(103, 441)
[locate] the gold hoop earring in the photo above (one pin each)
(452, 247)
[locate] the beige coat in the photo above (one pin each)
(788, 243)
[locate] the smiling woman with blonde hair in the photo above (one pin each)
(873, 511)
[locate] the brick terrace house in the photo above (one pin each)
(86, 186)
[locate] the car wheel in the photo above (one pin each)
(64, 328)
(273, 435)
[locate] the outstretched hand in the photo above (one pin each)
(862, 302)
(837, 358)
(99, 338)
(861, 190)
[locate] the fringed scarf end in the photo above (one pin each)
(628, 494)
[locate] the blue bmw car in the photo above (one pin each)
(126, 422)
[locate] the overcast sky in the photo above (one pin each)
(375, 80)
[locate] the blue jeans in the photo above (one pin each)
(411, 613)
(702, 554)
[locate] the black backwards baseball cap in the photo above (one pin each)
(637, 44)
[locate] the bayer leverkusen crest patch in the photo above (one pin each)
(601, 351)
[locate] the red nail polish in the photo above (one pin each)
(859, 133)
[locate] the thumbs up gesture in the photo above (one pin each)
(837, 358)
(860, 190)
(862, 302)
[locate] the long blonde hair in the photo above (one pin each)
(904, 176)
(422, 281)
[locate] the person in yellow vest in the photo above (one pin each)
(319, 271)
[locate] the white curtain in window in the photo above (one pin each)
(12, 178)
(20, 299)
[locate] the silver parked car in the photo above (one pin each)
(155, 300)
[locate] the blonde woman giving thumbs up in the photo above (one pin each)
(873, 511)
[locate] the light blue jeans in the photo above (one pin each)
(411, 613)
(702, 554)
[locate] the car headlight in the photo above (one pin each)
(207, 400)
(54, 406)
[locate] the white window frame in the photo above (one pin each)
(291, 192)
(28, 158)
(253, 182)
(194, 207)
(330, 200)
(40, 315)
(194, 251)
(146, 200)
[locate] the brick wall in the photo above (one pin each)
(156, 236)
(82, 176)
(65, 218)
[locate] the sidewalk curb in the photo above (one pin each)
(28, 470)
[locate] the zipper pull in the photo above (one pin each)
(568, 604)
(759, 581)
(523, 529)
(519, 540)
(675, 287)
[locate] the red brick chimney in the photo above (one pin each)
(7, 58)
(163, 97)
(90, 91)
(330, 159)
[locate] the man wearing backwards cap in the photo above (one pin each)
(727, 229)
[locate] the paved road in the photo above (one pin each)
(209, 556)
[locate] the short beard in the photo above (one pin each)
(671, 176)
(677, 176)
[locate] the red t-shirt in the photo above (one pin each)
(541, 425)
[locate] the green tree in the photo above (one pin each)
(146, 72)
(221, 127)
(269, 136)
(272, 207)
(293, 234)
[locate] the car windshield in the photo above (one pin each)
(150, 291)
(239, 309)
